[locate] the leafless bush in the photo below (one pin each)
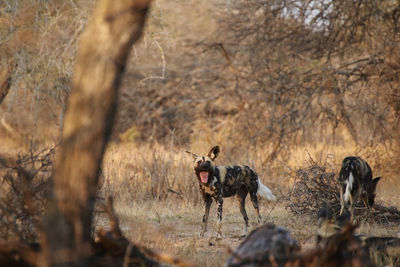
(271, 72)
(24, 188)
(41, 39)
(314, 188)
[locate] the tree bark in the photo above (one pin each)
(103, 51)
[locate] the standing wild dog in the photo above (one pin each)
(355, 180)
(225, 181)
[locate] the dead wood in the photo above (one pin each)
(17, 254)
(268, 244)
(342, 249)
(101, 59)
(313, 189)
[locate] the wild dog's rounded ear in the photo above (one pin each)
(194, 156)
(376, 180)
(213, 152)
(373, 185)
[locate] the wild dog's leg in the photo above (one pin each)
(351, 207)
(241, 197)
(207, 202)
(354, 196)
(254, 200)
(352, 201)
(364, 199)
(341, 200)
(219, 223)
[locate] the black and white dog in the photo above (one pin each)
(356, 181)
(225, 181)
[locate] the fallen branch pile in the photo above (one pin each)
(314, 188)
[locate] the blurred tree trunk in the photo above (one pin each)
(101, 59)
(5, 81)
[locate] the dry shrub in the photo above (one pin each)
(24, 188)
(314, 188)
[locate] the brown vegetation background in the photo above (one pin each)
(270, 78)
(272, 82)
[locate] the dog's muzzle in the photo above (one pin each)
(205, 172)
(204, 176)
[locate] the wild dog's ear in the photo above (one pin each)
(194, 156)
(374, 183)
(371, 191)
(213, 152)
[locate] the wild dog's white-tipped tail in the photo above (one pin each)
(264, 191)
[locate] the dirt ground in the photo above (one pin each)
(173, 226)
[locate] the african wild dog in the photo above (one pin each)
(356, 181)
(225, 181)
(328, 226)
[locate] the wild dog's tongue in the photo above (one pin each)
(204, 177)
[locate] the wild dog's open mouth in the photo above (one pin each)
(204, 177)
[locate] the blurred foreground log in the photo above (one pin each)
(271, 245)
(101, 59)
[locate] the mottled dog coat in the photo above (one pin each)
(225, 181)
(356, 181)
